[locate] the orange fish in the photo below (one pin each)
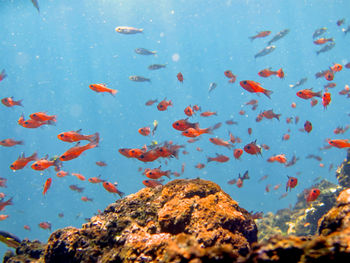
(86, 199)
(252, 148)
(45, 225)
(237, 153)
(189, 111)
(200, 165)
(41, 116)
(157, 173)
(135, 153)
(196, 108)
(79, 176)
(285, 137)
(163, 105)
(95, 180)
(145, 131)
(336, 67)
(268, 72)
(308, 94)
(308, 126)
(10, 142)
(112, 188)
(323, 40)
(183, 124)
(180, 77)
(125, 152)
(191, 132)
(220, 142)
(254, 87)
(103, 88)
(151, 183)
(44, 163)
(62, 173)
(149, 156)
(340, 143)
(77, 150)
(101, 163)
(32, 124)
(208, 113)
(47, 185)
(74, 187)
(269, 114)
(312, 194)
(329, 75)
(281, 158)
(2, 75)
(293, 105)
(313, 102)
(218, 158)
(26, 227)
(150, 102)
(10, 102)
(326, 99)
(22, 161)
(260, 35)
(341, 130)
(75, 136)
(230, 75)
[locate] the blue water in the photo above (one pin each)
(51, 58)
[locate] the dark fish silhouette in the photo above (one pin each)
(36, 5)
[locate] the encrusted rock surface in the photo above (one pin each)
(184, 221)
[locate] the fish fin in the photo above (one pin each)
(268, 93)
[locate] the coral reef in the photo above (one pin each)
(183, 221)
(343, 172)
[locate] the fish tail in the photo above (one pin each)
(319, 94)
(280, 73)
(168, 173)
(34, 156)
(120, 193)
(51, 122)
(113, 92)
(277, 116)
(20, 142)
(19, 103)
(251, 38)
(209, 159)
(268, 93)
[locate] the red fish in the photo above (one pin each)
(237, 153)
(340, 143)
(86, 199)
(329, 75)
(2, 75)
(75, 136)
(326, 99)
(102, 88)
(189, 111)
(150, 102)
(308, 94)
(180, 77)
(5, 203)
(254, 87)
(101, 163)
(218, 158)
(312, 194)
(74, 187)
(62, 174)
(95, 180)
(268, 72)
(149, 156)
(79, 176)
(291, 183)
(163, 105)
(230, 75)
(191, 132)
(208, 113)
(112, 188)
(252, 148)
(77, 150)
(32, 124)
(125, 152)
(220, 142)
(151, 183)
(313, 102)
(336, 67)
(10, 102)
(10, 142)
(44, 163)
(323, 40)
(183, 124)
(157, 173)
(269, 114)
(42, 116)
(22, 161)
(260, 35)
(145, 131)
(45, 225)
(200, 165)
(308, 126)
(47, 185)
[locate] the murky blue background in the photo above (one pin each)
(52, 57)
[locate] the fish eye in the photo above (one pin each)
(63, 156)
(161, 105)
(141, 156)
(5, 99)
(177, 124)
(248, 147)
(61, 135)
(34, 115)
(300, 92)
(36, 165)
(244, 82)
(3, 141)
(12, 166)
(91, 86)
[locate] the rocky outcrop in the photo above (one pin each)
(183, 221)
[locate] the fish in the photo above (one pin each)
(151, 183)
(164, 104)
(103, 88)
(145, 131)
(319, 32)
(212, 86)
(9, 239)
(252, 148)
(208, 113)
(312, 194)
(10, 142)
(139, 79)
(86, 199)
(336, 67)
(267, 50)
(47, 185)
(22, 161)
(218, 158)
(77, 150)
(101, 163)
(308, 94)
(326, 99)
(220, 142)
(346, 30)
(189, 111)
(95, 180)
(112, 188)
(32, 124)
(150, 102)
(45, 225)
(180, 77)
(79, 176)
(322, 41)
(2, 75)
(128, 30)
(298, 83)
(156, 66)
(308, 126)
(143, 51)
(36, 5)
(291, 183)
(260, 35)
(157, 173)
(75, 136)
(255, 87)
(278, 36)
(192, 132)
(269, 114)
(339, 143)
(230, 75)
(44, 163)
(5, 203)
(62, 173)
(10, 102)
(199, 165)
(76, 188)
(326, 48)
(237, 153)
(268, 72)
(340, 21)
(42, 116)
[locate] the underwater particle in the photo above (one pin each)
(175, 57)
(75, 110)
(128, 30)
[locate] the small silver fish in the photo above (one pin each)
(278, 36)
(326, 48)
(36, 5)
(156, 66)
(319, 32)
(139, 79)
(299, 83)
(143, 51)
(128, 30)
(212, 86)
(346, 30)
(265, 51)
